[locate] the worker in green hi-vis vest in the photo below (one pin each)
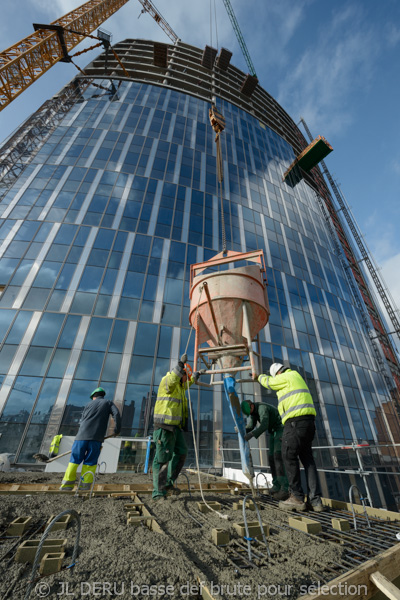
(269, 420)
(170, 420)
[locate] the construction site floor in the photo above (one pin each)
(120, 561)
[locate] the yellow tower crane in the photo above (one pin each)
(29, 59)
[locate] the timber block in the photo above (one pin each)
(19, 525)
(235, 492)
(220, 537)
(51, 563)
(135, 521)
(254, 529)
(133, 506)
(249, 505)
(203, 508)
(304, 524)
(61, 523)
(27, 550)
(236, 506)
(341, 524)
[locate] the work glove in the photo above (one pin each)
(179, 369)
(253, 376)
(184, 358)
(197, 374)
(248, 436)
(236, 429)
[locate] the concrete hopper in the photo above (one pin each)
(227, 309)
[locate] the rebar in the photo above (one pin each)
(82, 482)
(77, 518)
(352, 487)
(248, 538)
(257, 476)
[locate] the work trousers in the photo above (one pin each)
(297, 438)
(87, 452)
(169, 458)
(279, 479)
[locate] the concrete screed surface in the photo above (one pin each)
(118, 561)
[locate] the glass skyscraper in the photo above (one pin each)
(99, 226)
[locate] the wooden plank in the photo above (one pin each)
(386, 586)
(356, 583)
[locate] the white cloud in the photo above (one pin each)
(339, 62)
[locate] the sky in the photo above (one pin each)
(336, 64)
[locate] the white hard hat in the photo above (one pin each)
(275, 368)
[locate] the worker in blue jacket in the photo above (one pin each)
(89, 439)
(269, 421)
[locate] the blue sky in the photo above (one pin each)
(335, 63)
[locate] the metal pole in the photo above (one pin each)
(364, 477)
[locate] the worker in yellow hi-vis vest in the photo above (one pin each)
(170, 420)
(55, 446)
(297, 412)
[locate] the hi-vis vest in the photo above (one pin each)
(55, 445)
(294, 398)
(171, 406)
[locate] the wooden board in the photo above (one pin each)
(357, 583)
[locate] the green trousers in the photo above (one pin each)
(279, 479)
(169, 458)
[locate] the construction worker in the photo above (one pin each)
(170, 420)
(87, 445)
(297, 412)
(269, 420)
(55, 446)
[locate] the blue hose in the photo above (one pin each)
(234, 405)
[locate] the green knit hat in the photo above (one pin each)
(245, 406)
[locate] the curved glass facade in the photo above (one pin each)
(97, 236)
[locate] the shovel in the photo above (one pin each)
(46, 459)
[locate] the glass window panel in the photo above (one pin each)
(118, 336)
(137, 397)
(128, 308)
(173, 291)
(145, 340)
(89, 364)
(6, 316)
(65, 277)
(133, 285)
(141, 369)
(36, 361)
(48, 330)
(69, 332)
(21, 272)
(98, 334)
(171, 314)
(6, 356)
(83, 303)
(102, 306)
(162, 368)
(19, 327)
(47, 274)
(164, 342)
(59, 363)
(91, 279)
(21, 399)
(111, 367)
